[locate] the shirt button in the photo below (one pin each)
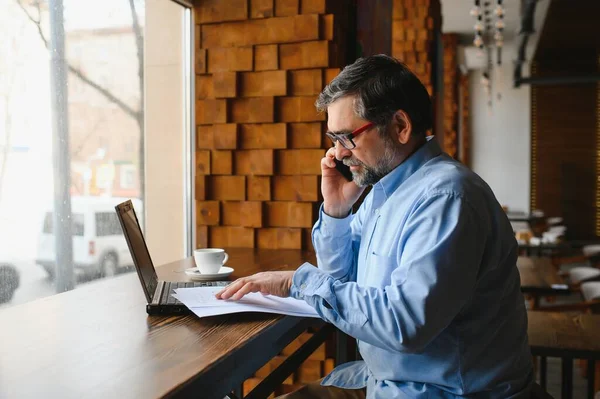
(302, 286)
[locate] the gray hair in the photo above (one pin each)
(382, 85)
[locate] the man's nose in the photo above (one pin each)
(341, 152)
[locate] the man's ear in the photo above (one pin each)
(402, 126)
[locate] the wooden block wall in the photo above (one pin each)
(260, 65)
(318, 364)
(450, 119)
(465, 135)
(414, 23)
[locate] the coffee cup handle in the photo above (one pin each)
(226, 258)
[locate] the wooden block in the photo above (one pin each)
(309, 371)
(266, 57)
(211, 111)
(301, 340)
(201, 236)
(263, 136)
(218, 10)
(329, 74)
(328, 365)
(252, 110)
(203, 162)
(197, 37)
(298, 109)
(313, 6)
(295, 188)
(227, 188)
(289, 214)
(254, 162)
(250, 384)
(259, 188)
(261, 8)
(207, 213)
(398, 10)
(305, 82)
(307, 244)
(225, 136)
(221, 163)
(230, 59)
(299, 162)
(204, 137)
(327, 27)
(261, 31)
(246, 214)
(279, 238)
(304, 55)
(204, 87)
(229, 236)
(225, 84)
(305, 135)
(200, 188)
(263, 84)
(200, 58)
(287, 8)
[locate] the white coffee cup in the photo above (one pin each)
(210, 260)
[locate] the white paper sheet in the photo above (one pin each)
(202, 301)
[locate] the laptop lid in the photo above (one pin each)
(138, 248)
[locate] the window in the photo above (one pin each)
(107, 224)
(73, 159)
(77, 224)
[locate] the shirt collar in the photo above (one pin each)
(390, 182)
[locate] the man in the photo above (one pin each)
(424, 274)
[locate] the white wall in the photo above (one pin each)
(500, 146)
(165, 131)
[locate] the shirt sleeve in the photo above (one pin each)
(441, 246)
(336, 243)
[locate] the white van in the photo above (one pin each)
(98, 242)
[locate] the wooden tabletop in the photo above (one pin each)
(564, 335)
(98, 342)
(539, 276)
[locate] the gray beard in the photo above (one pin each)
(369, 175)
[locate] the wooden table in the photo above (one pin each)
(539, 278)
(98, 342)
(569, 337)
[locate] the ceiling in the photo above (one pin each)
(456, 19)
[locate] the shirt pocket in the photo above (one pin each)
(383, 270)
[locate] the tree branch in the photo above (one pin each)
(126, 108)
(79, 74)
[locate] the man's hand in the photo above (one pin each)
(339, 194)
(267, 283)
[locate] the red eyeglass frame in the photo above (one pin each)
(337, 137)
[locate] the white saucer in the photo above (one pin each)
(195, 274)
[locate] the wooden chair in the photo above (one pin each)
(590, 303)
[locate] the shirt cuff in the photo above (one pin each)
(306, 280)
(330, 226)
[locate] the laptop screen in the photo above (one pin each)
(138, 248)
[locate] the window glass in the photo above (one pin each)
(71, 141)
(107, 224)
(77, 224)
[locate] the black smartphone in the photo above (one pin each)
(343, 169)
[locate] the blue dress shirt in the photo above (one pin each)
(424, 276)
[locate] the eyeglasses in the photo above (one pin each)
(345, 138)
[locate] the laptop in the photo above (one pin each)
(158, 292)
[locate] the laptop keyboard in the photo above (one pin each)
(171, 286)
